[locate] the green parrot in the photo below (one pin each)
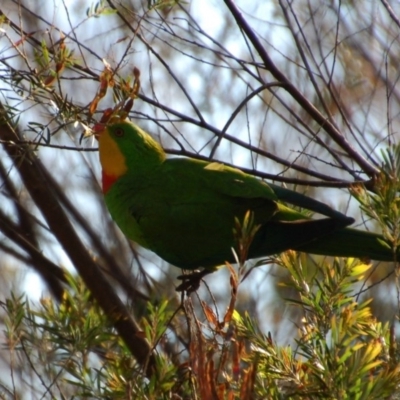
(184, 209)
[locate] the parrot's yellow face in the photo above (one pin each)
(112, 160)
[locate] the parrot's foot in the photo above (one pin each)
(191, 282)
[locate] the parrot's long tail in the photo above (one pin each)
(350, 242)
(329, 237)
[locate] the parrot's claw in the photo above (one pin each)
(191, 282)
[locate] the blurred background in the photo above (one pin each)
(206, 92)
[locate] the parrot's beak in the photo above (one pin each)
(98, 129)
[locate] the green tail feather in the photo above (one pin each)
(328, 237)
(350, 242)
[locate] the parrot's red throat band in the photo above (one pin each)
(107, 181)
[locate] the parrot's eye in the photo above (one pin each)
(119, 132)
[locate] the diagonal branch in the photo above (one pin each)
(325, 123)
(31, 173)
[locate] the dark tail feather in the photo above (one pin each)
(352, 243)
(277, 236)
(324, 236)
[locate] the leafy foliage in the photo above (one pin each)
(341, 350)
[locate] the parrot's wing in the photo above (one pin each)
(300, 200)
(228, 187)
(236, 183)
